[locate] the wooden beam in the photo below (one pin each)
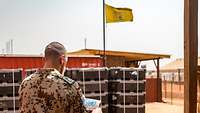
(159, 82)
(190, 55)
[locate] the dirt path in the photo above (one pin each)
(163, 108)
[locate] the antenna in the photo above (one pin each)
(7, 48)
(11, 46)
(85, 43)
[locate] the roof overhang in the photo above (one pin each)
(130, 56)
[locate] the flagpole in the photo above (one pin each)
(104, 36)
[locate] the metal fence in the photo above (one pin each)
(173, 87)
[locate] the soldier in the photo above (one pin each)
(47, 90)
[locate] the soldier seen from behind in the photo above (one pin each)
(47, 90)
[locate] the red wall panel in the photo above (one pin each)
(20, 62)
(151, 90)
(37, 62)
(83, 62)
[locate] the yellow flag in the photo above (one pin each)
(118, 14)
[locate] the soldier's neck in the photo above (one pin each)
(50, 65)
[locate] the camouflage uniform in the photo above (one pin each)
(47, 91)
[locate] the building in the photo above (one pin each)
(174, 71)
(86, 58)
(120, 58)
(81, 59)
(36, 61)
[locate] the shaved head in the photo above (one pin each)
(55, 56)
(55, 49)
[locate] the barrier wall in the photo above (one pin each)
(119, 89)
(10, 80)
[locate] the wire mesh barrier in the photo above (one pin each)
(121, 90)
(127, 93)
(10, 80)
(6, 75)
(93, 82)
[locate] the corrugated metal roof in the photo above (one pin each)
(132, 56)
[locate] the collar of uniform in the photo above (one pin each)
(56, 72)
(52, 71)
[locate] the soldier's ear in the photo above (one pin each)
(62, 60)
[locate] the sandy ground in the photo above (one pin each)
(163, 108)
(174, 101)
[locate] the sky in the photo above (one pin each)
(32, 24)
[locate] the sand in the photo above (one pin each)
(163, 108)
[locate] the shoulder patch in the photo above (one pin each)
(64, 78)
(68, 80)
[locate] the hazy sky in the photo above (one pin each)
(32, 24)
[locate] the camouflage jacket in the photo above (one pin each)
(47, 91)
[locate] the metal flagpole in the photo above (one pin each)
(104, 35)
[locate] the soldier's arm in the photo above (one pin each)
(77, 95)
(78, 102)
(78, 105)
